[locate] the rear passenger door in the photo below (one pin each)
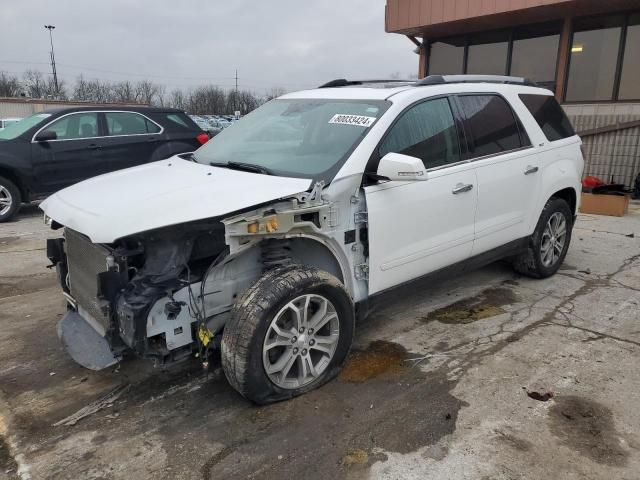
(506, 166)
(418, 227)
(131, 139)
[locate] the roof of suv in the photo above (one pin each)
(435, 85)
(119, 108)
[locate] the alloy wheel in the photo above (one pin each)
(553, 239)
(6, 200)
(301, 341)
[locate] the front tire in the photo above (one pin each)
(9, 199)
(549, 243)
(288, 334)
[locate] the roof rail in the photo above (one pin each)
(442, 79)
(343, 82)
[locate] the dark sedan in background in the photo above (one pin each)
(51, 150)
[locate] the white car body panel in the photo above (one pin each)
(427, 228)
(161, 194)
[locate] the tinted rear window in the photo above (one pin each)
(549, 115)
(176, 121)
(490, 123)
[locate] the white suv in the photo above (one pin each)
(269, 241)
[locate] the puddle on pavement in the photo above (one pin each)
(379, 358)
(357, 456)
(588, 428)
(487, 304)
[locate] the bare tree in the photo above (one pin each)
(9, 85)
(37, 86)
(274, 92)
(149, 92)
(124, 92)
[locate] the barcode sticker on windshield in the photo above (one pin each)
(359, 120)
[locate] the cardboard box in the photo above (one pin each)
(614, 205)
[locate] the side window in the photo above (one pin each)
(126, 123)
(549, 115)
(426, 131)
(490, 124)
(76, 125)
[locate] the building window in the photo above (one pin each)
(594, 55)
(630, 79)
(539, 42)
(488, 54)
(447, 57)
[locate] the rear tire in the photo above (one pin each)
(549, 243)
(10, 199)
(271, 328)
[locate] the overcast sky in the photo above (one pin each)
(292, 44)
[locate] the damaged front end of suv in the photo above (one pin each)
(167, 293)
(253, 244)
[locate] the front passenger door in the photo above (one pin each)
(419, 227)
(73, 156)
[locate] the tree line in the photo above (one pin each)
(205, 99)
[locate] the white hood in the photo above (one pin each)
(160, 194)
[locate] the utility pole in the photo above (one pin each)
(53, 60)
(235, 98)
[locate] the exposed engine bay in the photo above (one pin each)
(166, 294)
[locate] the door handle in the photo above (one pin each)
(529, 170)
(461, 188)
(94, 146)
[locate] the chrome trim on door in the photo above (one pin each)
(104, 136)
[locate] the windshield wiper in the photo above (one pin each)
(247, 167)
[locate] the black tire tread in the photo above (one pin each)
(249, 311)
(526, 263)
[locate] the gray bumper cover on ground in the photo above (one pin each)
(86, 346)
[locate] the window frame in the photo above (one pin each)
(371, 168)
(102, 126)
(615, 97)
(147, 120)
(512, 35)
(81, 112)
(523, 135)
(560, 89)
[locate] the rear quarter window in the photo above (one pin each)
(176, 122)
(549, 115)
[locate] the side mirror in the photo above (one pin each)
(403, 168)
(46, 135)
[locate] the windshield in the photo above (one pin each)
(306, 138)
(14, 130)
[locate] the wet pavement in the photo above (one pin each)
(436, 386)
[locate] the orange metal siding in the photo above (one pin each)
(408, 14)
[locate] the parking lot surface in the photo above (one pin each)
(485, 376)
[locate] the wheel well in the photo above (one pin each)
(568, 195)
(10, 175)
(311, 252)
